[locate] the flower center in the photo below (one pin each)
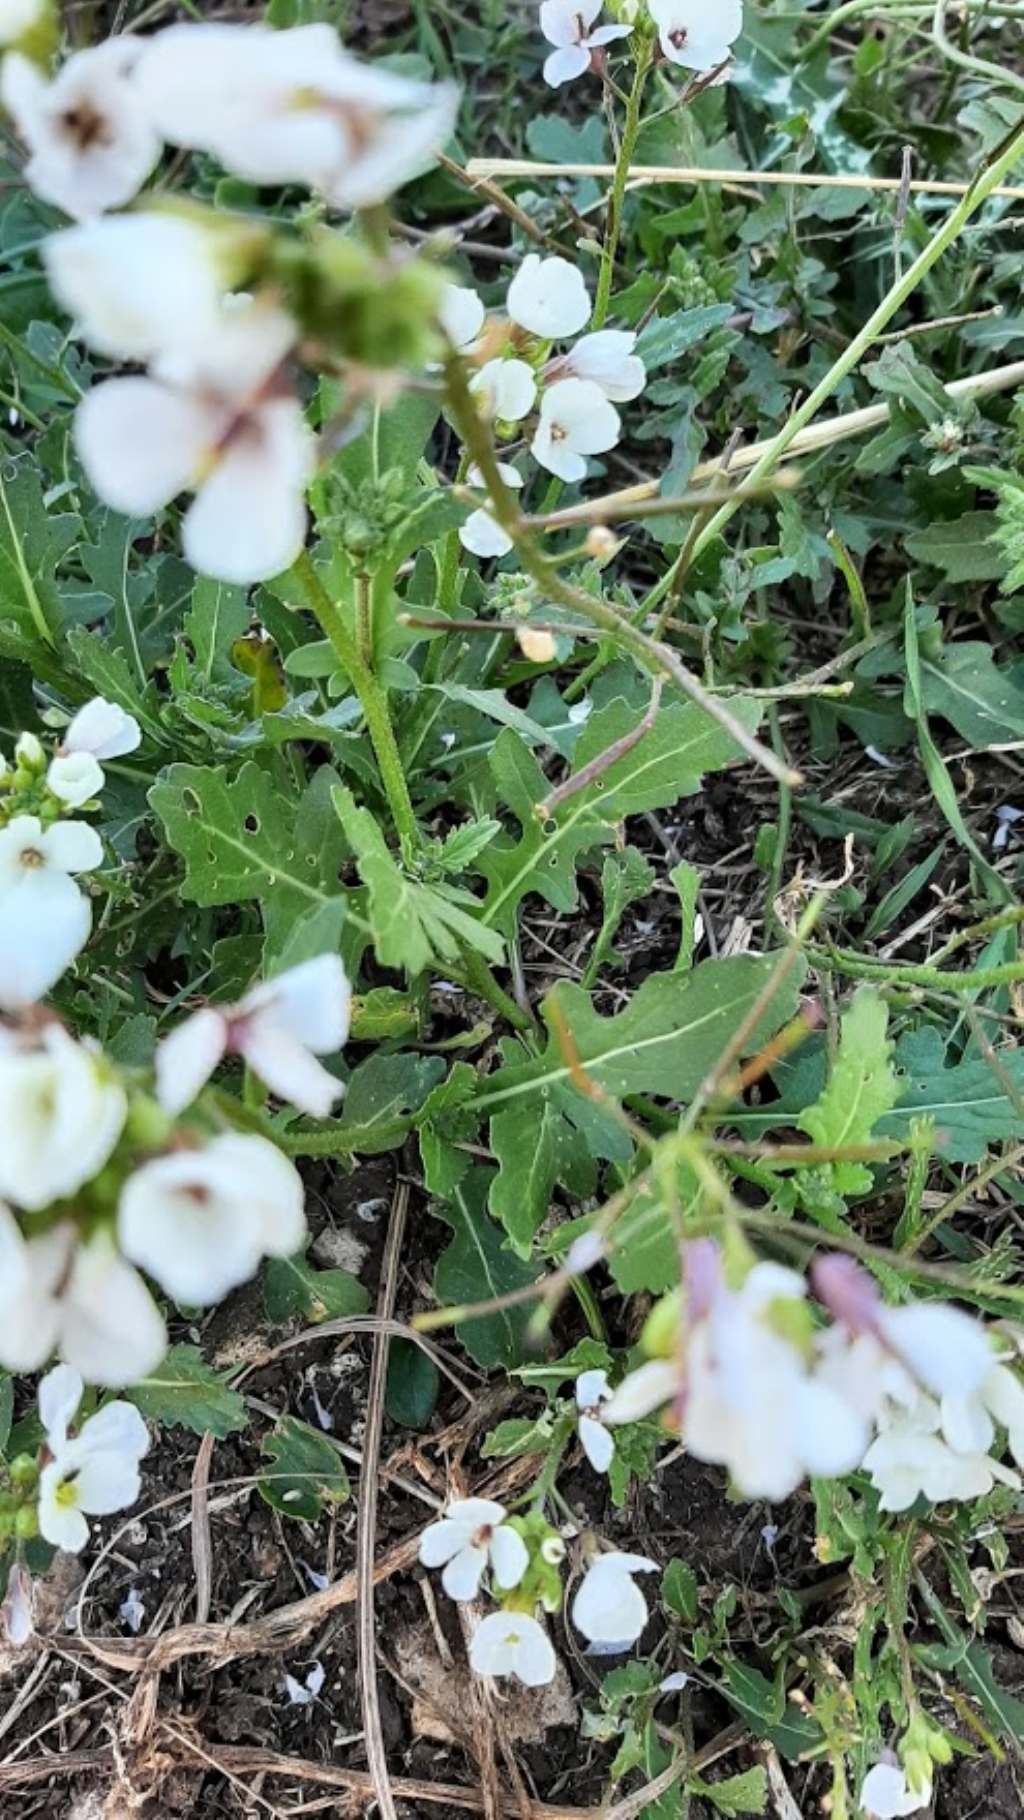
(558, 434)
(86, 127)
(31, 858)
(483, 1537)
(66, 1494)
(678, 37)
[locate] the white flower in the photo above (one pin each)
(292, 107)
(472, 1534)
(82, 1300)
(91, 141)
(75, 778)
(608, 359)
(44, 918)
(609, 1608)
(969, 1421)
(576, 420)
(644, 1391)
(943, 1348)
(218, 425)
(462, 315)
(885, 1796)
(62, 1112)
(912, 1458)
(592, 1392)
(103, 729)
(513, 1643)
(93, 1473)
(136, 284)
(694, 34)
(548, 297)
(200, 1221)
(19, 17)
(506, 389)
(481, 533)
(279, 1029)
(566, 23)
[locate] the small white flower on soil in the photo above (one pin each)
(91, 1473)
(608, 359)
(884, 1794)
(471, 1536)
(592, 1393)
(201, 1221)
(576, 420)
(481, 534)
(74, 778)
(62, 1112)
(567, 25)
(45, 919)
(462, 315)
(505, 389)
(81, 1300)
(549, 297)
(609, 1607)
(695, 35)
(103, 729)
(512, 1643)
(136, 284)
(90, 139)
(279, 1029)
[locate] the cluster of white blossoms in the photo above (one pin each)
(691, 33)
(476, 1539)
(45, 917)
(564, 400)
(914, 1395)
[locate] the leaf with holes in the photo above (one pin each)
(305, 1473)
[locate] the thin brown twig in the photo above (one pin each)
(202, 1554)
(590, 773)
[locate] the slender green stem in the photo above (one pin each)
(478, 977)
(372, 697)
(1003, 73)
(861, 344)
(364, 617)
(859, 967)
(613, 223)
(900, 9)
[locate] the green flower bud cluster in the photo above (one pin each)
(541, 1584)
(362, 517)
(19, 1498)
(375, 310)
(23, 788)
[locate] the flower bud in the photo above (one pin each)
(601, 543)
(23, 1469)
(26, 1523)
(539, 647)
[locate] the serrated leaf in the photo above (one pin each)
(216, 619)
(525, 1143)
(967, 1101)
(305, 1472)
(964, 548)
(667, 337)
(862, 1088)
(32, 543)
(679, 1591)
(983, 703)
(103, 666)
(475, 1267)
(746, 1793)
(186, 1392)
(292, 1286)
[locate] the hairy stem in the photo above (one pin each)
(613, 223)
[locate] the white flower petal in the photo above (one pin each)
(44, 923)
(313, 1002)
(510, 1557)
(512, 1643)
(596, 1443)
(59, 1395)
(606, 357)
(116, 1428)
(966, 1424)
(592, 1389)
(287, 1068)
(548, 297)
(608, 34)
(946, 1350)
(136, 285)
(461, 1578)
(141, 444)
(103, 729)
(111, 1328)
(91, 144)
(74, 777)
(72, 846)
(477, 1512)
(62, 1112)
(885, 1796)
(566, 64)
(105, 1481)
(609, 1607)
(30, 1273)
(61, 1523)
(483, 536)
(694, 35)
(462, 314)
(186, 1059)
(248, 521)
(441, 1540)
(645, 1390)
(506, 388)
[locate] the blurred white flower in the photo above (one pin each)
(609, 1608)
(505, 389)
(694, 34)
(136, 284)
(969, 1420)
(592, 1393)
(471, 1535)
(884, 1794)
(62, 1111)
(82, 1300)
(566, 24)
(44, 918)
(512, 1643)
(279, 1029)
(219, 423)
(91, 141)
(482, 534)
(548, 297)
(103, 729)
(576, 420)
(943, 1348)
(293, 107)
(911, 1457)
(75, 778)
(607, 358)
(644, 1391)
(91, 1473)
(18, 17)
(462, 315)
(200, 1221)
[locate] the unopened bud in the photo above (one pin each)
(539, 647)
(601, 543)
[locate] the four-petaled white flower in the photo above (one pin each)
(549, 298)
(293, 107)
(481, 533)
(694, 34)
(505, 389)
(609, 1607)
(222, 424)
(62, 1110)
(279, 1029)
(137, 284)
(102, 729)
(912, 1457)
(607, 358)
(19, 17)
(592, 1392)
(45, 919)
(82, 1300)
(462, 315)
(91, 140)
(513, 1643)
(576, 420)
(471, 1535)
(91, 1473)
(566, 24)
(884, 1794)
